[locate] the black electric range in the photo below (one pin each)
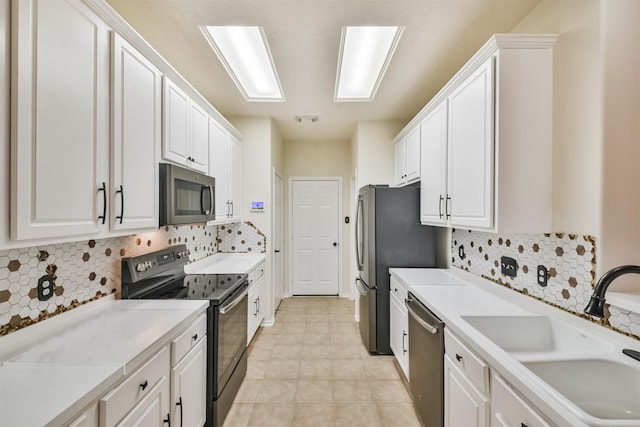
(160, 275)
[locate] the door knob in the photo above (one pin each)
(335, 243)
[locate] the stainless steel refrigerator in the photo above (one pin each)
(388, 234)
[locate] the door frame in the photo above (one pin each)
(291, 179)
(274, 176)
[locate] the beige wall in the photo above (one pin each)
(261, 152)
(596, 123)
(373, 151)
(314, 159)
(577, 109)
(620, 209)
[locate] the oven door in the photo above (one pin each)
(231, 335)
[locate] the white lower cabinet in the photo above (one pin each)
(189, 388)
(141, 395)
(169, 389)
(464, 405)
(257, 297)
(88, 418)
(509, 409)
(466, 385)
(476, 396)
(399, 326)
(153, 410)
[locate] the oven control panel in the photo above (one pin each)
(141, 267)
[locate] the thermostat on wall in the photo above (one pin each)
(257, 206)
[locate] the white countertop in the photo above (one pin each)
(475, 296)
(225, 263)
(68, 361)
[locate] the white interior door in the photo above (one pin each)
(278, 240)
(315, 224)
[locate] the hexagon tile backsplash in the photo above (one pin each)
(569, 258)
(88, 270)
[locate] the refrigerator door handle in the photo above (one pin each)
(364, 290)
(359, 235)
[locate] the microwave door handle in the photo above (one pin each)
(202, 209)
(212, 204)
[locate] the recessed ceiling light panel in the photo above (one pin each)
(365, 53)
(245, 54)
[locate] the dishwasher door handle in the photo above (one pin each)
(432, 329)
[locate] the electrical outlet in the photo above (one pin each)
(45, 287)
(509, 266)
(542, 275)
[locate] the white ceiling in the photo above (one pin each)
(304, 36)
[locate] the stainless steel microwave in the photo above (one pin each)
(186, 196)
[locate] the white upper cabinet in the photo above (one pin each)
(218, 166)
(433, 159)
(470, 151)
(136, 138)
(487, 140)
(407, 158)
(225, 165)
(186, 140)
(235, 175)
(60, 135)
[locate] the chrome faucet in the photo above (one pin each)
(596, 304)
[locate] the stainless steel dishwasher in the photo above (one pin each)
(426, 362)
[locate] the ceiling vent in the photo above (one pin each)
(306, 119)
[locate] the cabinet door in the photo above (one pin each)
(189, 388)
(252, 314)
(137, 93)
(199, 134)
(509, 409)
(262, 298)
(463, 404)
(400, 156)
(175, 146)
(399, 338)
(235, 184)
(412, 161)
(433, 160)
(471, 147)
(218, 167)
(153, 410)
(60, 136)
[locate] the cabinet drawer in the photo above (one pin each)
(256, 274)
(471, 365)
(398, 290)
(509, 409)
(188, 339)
(119, 401)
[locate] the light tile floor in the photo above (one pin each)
(311, 369)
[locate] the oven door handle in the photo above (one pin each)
(236, 301)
